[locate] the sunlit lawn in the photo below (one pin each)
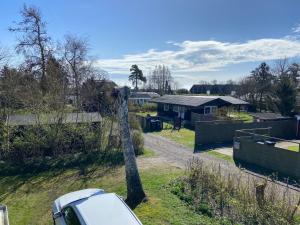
(186, 137)
(151, 113)
(29, 197)
(294, 148)
(246, 117)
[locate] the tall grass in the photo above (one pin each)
(234, 199)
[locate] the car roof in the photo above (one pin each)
(66, 199)
(103, 209)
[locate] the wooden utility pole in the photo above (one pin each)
(135, 192)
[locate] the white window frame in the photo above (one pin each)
(166, 107)
(212, 110)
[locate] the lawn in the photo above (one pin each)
(29, 197)
(152, 113)
(186, 137)
(221, 156)
(294, 148)
(246, 117)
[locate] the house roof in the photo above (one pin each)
(196, 100)
(33, 119)
(144, 95)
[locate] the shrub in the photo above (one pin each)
(51, 140)
(233, 197)
(138, 142)
(134, 123)
(149, 107)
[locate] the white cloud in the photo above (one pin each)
(190, 57)
(296, 29)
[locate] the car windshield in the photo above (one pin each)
(70, 216)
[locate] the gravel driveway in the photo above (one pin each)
(179, 155)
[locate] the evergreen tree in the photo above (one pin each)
(136, 76)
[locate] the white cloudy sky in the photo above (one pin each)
(189, 61)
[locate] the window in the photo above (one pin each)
(176, 108)
(70, 216)
(206, 110)
(166, 107)
(210, 109)
(214, 109)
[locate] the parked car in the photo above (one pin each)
(92, 207)
(3, 215)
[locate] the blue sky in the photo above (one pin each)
(197, 39)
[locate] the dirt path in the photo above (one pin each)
(179, 155)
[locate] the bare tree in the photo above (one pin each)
(160, 79)
(75, 54)
(3, 56)
(135, 192)
(34, 42)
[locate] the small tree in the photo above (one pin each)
(263, 80)
(75, 54)
(286, 95)
(135, 192)
(136, 76)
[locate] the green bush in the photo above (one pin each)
(51, 140)
(134, 123)
(138, 142)
(149, 107)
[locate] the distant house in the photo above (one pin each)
(140, 98)
(68, 118)
(214, 89)
(183, 105)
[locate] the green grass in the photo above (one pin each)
(152, 113)
(184, 136)
(148, 153)
(29, 197)
(220, 156)
(242, 116)
(294, 148)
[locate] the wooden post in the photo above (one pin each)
(135, 192)
(260, 194)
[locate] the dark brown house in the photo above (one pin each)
(183, 105)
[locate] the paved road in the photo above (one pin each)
(179, 155)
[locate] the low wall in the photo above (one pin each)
(195, 117)
(285, 162)
(221, 132)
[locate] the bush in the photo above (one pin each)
(149, 107)
(134, 123)
(232, 198)
(138, 142)
(50, 140)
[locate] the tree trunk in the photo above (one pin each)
(135, 192)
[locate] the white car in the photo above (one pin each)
(92, 207)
